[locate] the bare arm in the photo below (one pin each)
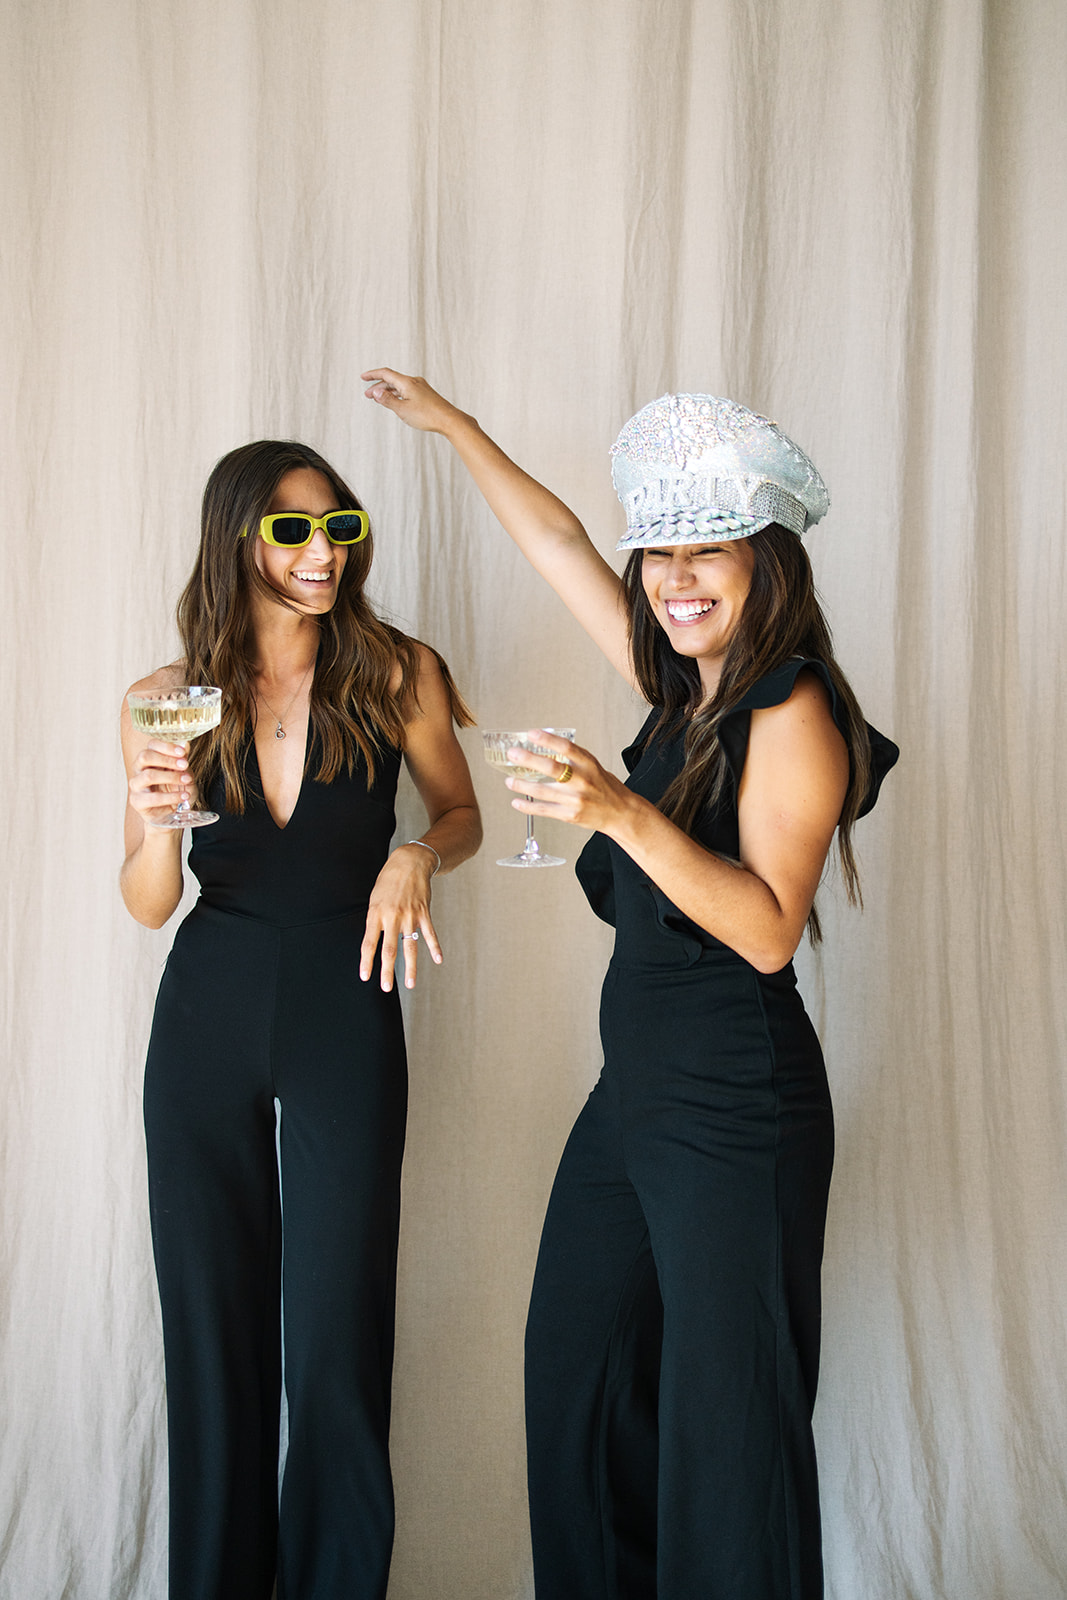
(157, 780)
(400, 900)
(792, 791)
(545, 530)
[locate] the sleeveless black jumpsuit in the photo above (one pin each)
(673, 1338)
(261, 1001)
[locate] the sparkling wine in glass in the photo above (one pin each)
(496, 745)
(176, 716)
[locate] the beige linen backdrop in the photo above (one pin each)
(851, 217)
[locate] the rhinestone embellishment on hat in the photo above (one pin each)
(690, 466)
(682, 428)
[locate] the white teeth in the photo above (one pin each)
(685, 610)
(313, 577)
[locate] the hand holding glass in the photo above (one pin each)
(496, 745)
(176, 716)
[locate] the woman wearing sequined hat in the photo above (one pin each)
(673, 1337)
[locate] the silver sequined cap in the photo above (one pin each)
(689, 467)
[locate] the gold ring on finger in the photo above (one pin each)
(567, 773)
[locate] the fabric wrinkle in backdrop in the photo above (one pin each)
(850, 218)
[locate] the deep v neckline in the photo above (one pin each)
(283, 826)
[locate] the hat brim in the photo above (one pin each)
(699, 527)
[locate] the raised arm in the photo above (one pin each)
(545, 530)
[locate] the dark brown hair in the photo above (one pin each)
(353, 709)
(781, 618)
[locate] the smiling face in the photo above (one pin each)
(308, 577)
(696, 593)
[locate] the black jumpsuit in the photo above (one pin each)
(673, 1338)
(261, 1001)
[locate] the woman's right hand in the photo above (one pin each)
(547, 532)
(159, 780)
(410, 399)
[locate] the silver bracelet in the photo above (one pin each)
(432, 851)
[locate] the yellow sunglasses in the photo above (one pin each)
(291, 530)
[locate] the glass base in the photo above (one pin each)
(188, 819)
(536, 860)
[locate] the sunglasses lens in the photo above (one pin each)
(344, 527)
(290, 530)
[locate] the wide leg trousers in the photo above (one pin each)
(249, 1013)
(673, 1337)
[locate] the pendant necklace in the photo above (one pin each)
(279, 732)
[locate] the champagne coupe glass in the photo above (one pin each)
(176, 716)
(496, 745)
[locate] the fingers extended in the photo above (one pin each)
(433, 944)
(410, 942)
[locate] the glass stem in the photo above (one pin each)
(532, 848)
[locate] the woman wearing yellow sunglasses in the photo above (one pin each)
(275, 1088)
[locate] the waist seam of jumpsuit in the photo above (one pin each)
(357, 909)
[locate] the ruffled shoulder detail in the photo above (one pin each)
(594, 873)
(593, 868)
(773, 690)
(661, 759)
(633, 752)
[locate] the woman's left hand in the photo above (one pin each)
(580, 790)
(399, 915)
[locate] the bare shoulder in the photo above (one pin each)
(429, 665)
(798, 741)
(431, 749)
(430, 690)
(808, 708)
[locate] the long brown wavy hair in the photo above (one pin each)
(354, 712)
(781, 618)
